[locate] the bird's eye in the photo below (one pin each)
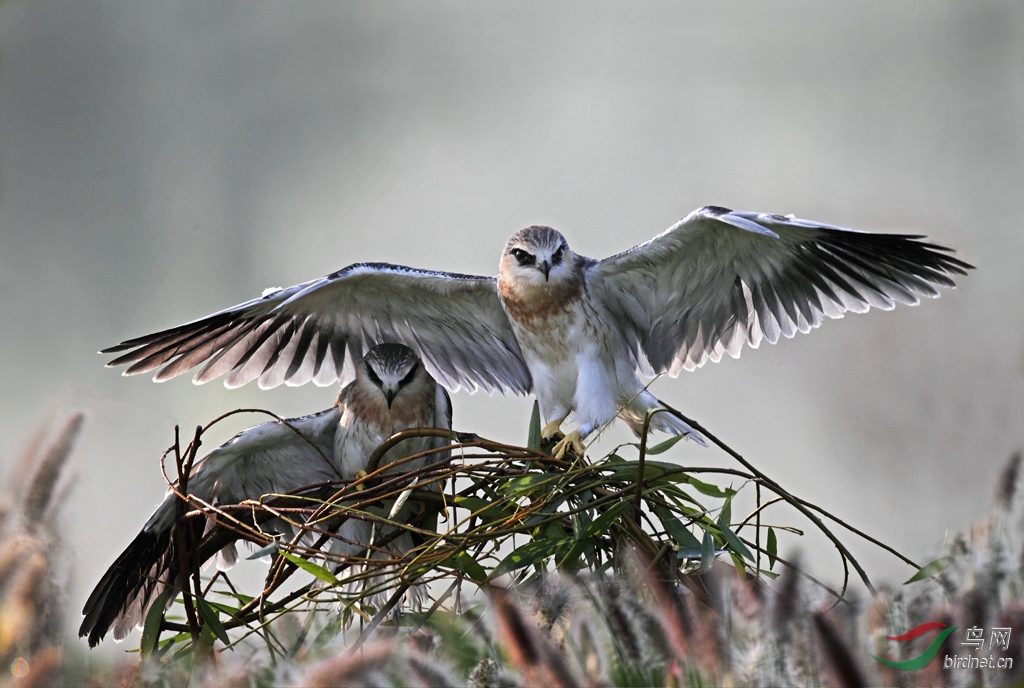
(409, 376)
(373, 376)
(523, 257)
(556, 258)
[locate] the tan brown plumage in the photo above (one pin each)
(392, 392)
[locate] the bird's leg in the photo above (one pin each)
(551, 429)
(573, 440)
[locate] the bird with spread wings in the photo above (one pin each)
(575, 331)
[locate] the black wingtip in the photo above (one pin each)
(131, 575)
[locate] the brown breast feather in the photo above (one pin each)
(529, 304)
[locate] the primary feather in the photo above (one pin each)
(309, 332)
(570, 329)
(719, 279)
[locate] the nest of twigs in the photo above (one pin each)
(488, 515)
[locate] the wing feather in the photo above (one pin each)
(720, 278)
(316, 330)
(300, 369)
(187, 357)
(270, 458)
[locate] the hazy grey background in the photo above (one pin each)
(159, 161)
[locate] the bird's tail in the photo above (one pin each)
(136, 578)
(128, 587)
(636, 410)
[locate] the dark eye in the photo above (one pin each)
(523, 257)
(373, 376)
(409, 376)
(557, 257)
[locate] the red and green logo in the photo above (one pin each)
(925, 657)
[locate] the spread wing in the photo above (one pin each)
(266, 459)
(720, 278)
(455, 323)
(270, 458)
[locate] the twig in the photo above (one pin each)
(798, 504)
(182, 545)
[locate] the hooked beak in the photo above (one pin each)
(389, 394)
(545, 267)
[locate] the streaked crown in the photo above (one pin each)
(537, 238)
(391, 360)
(392, 368)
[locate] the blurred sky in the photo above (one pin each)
(160, 161)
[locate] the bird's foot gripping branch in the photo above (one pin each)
(428, 539)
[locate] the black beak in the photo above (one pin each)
(545, 267)
(390, 396)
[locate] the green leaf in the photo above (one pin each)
(676, 529)
(471, 568)
(707, 553)
(151, 628)
(678, 496)
(930, 570)
(244, 599)
(533, 439)
(545, 511)
(555, 531)
(223, 608)
(181, 637)
(526, 483)
(773, 547)
(663, 447)
(737, 562)
(725, 515)
(735, 544)
(599, 525)
(472, 504)
(485, 510)
(711, 490)
(655, 473)
(580, 522)
(317, 570)
(211, 620)
(531, 552)
(205, 644)
(264, 551)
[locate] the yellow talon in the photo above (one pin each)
(551, 429)
(573, 440)
(359, 476)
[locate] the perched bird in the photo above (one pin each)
(392, 391)
(573, 330)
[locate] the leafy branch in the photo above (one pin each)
(482, 513)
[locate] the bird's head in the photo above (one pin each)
(393, 369)
(538, 255)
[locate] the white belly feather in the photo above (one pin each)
(570, 358)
